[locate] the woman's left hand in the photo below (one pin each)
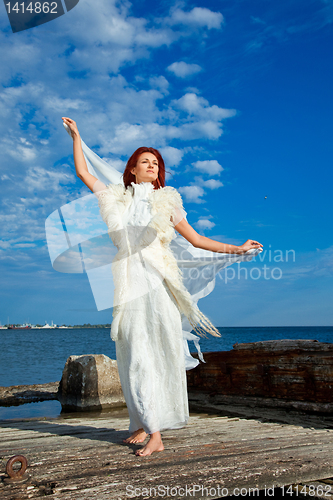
(72, 126)
(250, 244)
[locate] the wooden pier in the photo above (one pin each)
(262, 418)
(81, 456)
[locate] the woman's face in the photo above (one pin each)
(146, 169)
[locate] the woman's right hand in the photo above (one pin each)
(248, 245)
(72, 126)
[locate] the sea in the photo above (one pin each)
(38, 356)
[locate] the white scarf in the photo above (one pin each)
(113, 202)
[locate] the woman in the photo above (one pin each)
(149, 292)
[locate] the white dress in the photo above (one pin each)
(149, 345)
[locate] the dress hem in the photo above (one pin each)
(178, 425)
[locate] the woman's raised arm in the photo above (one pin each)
(199, 241)
(79, 161)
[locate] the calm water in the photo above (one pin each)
(39, 356)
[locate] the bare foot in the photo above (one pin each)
(137, 437)
(154, 444)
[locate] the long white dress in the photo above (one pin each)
(151, 341)
(149, 345)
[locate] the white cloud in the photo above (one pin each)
(200, 129)
(159, 82)
(193, 194)
(25, 245)
(211, 167)
(209, 184)
(40, 179)
(199, 16)
(199, 106)
(76, 73)
(96, 41)
(204, 224)
(156, 38)
(126, 137)
(212, 184)
(22, 153)
(4, 244)
(31, 198)
(58, 104)
(183, 69)
(172, 156)
(76, 82)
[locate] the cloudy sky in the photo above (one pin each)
(235, 94)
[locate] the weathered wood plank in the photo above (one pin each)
(85, 459)
(293, 371)
(285, 344)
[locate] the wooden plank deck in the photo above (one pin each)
(81, 456)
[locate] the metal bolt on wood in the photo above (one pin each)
(16, 476)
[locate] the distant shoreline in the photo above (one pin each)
(61, 327)
(108, 325)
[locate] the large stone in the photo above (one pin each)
(90, 382)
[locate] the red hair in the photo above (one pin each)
(128, 177)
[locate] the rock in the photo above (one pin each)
(21, 394)
(90, 382)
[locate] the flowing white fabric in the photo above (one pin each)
(148, 329)
(151, 334)
(199, 267)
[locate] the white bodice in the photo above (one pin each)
(138, 213)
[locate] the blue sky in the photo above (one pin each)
(235, 94)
